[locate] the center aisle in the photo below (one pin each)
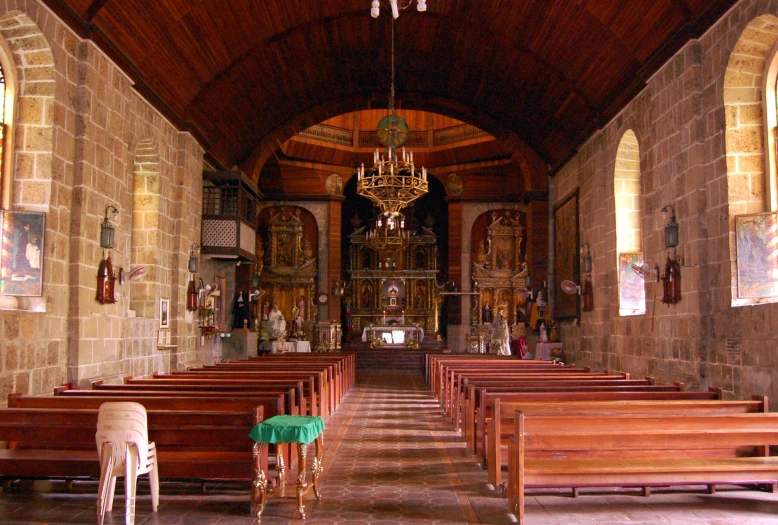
(392, 458)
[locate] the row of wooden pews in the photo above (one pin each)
(200, 418)
(572, 428)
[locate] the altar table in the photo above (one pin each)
(392, 335)
(302, 430)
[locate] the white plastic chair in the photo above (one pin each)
(123, 445)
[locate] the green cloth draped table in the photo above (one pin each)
(302, 430)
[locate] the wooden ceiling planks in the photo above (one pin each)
(546, 71)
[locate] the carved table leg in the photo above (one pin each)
(318, 466)
(281, 467)
(259, 485)
(302, 454)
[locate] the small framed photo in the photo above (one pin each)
(161, 338)
(164, 313)
(168, 339)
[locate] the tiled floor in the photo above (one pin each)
(391, 458)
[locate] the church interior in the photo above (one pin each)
(415, 220)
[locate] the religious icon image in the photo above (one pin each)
(22, 256)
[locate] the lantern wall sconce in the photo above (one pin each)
(107, 229)
(671, 228)
(587, 258)
(194, 262)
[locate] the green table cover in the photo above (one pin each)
(288, 429)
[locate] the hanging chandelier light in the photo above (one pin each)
(393, 182)
(389, 234)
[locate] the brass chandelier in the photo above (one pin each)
(392, 183)
(389, 235)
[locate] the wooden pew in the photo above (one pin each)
(346, 361)
(485, 397)
(321, 387)
(455, 378)
(271, 404)
(500, 428)
(447, 372)
(333, 379)
(639, 450)
(433, 360)
(297, 402)
(60, 443)
(520, 382)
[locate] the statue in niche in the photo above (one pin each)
(365, 297)
(486, 313)
(301, 307)
(419, 260)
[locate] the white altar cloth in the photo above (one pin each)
(392, 335)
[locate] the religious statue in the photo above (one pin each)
(277, 323)
(298, 322)
(487, 313)
(501, 335)
(240, 312)
(265, 309)
(301, 307)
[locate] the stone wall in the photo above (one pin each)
(79, 128)
(682, 120)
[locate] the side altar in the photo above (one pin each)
(500, 275)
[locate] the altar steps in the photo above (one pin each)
(391, 358)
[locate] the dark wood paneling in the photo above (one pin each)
(246, 76)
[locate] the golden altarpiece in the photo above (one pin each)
(393, 289)
(289, 271)
(499, 268)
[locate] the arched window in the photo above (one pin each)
(629, 241)
(7, 105)
(750, 107)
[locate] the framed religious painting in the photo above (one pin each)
(566, 263)
(757, 264)
(21, 262)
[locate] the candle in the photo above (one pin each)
(384, 316)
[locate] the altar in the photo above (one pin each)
(393, 335)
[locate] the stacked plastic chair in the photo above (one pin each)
(123, 445)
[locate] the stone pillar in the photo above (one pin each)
(334, 211)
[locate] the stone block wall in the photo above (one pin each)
(682, 127)
(80, 129)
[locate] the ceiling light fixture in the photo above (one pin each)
(375, 7)
(392, 183)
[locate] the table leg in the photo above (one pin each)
(318, 466)
(302, 454)
(259, 485)
(281, 465)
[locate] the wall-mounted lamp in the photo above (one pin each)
(107, 229)
(194, 262)
(587, 258)
(671, 228)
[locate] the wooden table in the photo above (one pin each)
(302, 430)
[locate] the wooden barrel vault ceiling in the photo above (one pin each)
(245, 76)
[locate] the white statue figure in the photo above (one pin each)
(277, 322)
(501, 334)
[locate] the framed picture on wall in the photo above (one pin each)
(164, 313)
(757, 265)
(566, 263)
(21, 262)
